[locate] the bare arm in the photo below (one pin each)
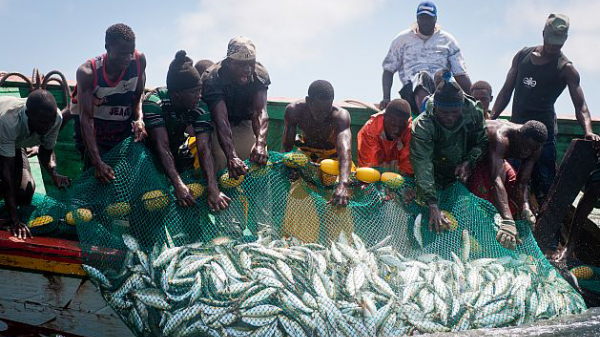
(496, 162)
(507, 89)
(139, 131)
(160, 140)
(523, 177)
(216, 200)
(581, 109)
(387, 80)
(234, 163)
(260, 126)
(465, 82)
(343, 148)
(48, 162)
(85, 86)
(289, 128)
(341, 195)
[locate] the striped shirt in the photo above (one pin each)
(113, 102)
(158, 111)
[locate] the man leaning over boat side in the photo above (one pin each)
(106, 102)
(325, 133)
(538, 75)
(235, 90)
(450, 137)
(321, 130)
(495, 180)
(168, 112)
(26, 122)
(384, 141)
(424, 47)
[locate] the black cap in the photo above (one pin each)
(182, 75)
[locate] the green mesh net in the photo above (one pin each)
(282, 261)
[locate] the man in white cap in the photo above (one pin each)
(417, 53)
(235, 90)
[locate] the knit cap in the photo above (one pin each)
(448, 94)
(182, 75)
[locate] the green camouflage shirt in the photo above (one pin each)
(435, 151)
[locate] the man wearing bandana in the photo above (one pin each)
(235, 90)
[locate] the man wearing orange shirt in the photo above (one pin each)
(384, 140)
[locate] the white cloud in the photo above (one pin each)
(582, 46)
(285, 32)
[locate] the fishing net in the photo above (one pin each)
(281, 260)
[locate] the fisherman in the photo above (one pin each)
(202, 65)
(235, 90)
(448, 140)
(384, 140)
(325, 133)
(26, 122)
(106, 102)
(482, 91)
(422, 47)
(538, 75)
(168, 111)
(495, 180)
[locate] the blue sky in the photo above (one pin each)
(343, 41)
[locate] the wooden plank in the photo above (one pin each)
(25, 313)
(574, 171)
(88, 324)
(41, 245)
(88, 298)
(18, 285)
(41, 265)
(60, 303)
(57, 291)
(48, 289)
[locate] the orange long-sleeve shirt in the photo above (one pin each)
(374, 149)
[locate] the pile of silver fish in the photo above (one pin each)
(286, 288)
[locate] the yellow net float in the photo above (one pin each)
(196, 189)
(118, 209)
(155, 200)
(453, 221)
(330, 166)
(227, 182)
(260, 171)
(392, 180)
(583, 272)
(78, 215)
(40, 221)
(295, 160)
(367, 175)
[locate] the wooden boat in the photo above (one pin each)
(44, 290)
